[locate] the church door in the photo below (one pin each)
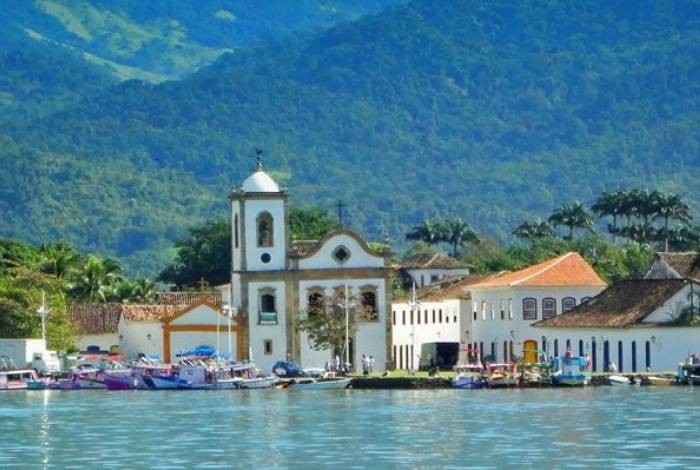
(530, 351)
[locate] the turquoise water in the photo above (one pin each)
(593, 427)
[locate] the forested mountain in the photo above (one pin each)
(161, 39)
(493, 111)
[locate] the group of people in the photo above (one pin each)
(367, 364)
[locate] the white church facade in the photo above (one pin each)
(276, 282)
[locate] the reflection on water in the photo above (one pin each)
(603, 426)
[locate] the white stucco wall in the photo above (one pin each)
(370, 337)
(236, 251)
(674, 306)
(259, 333)
(279, 249)
(134, 337)
(424, 277)
(186, 340)
(359, 258)
(668, 345)
(517, 330)
(404, 327)
(104, 341)
(201, 315)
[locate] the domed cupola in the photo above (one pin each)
(259, 182)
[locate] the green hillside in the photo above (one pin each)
(492, 111)
(156, 40)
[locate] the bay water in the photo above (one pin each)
(627, 427)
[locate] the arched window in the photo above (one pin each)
(556, 348)
(594, 354)
(503, 309)
(512, 354)
(368, 298)
(510, 309)
(481, 351)
(425, 316)
(634, 356)
(505, 351)
(267, 307)
(549, 307)
(235, 231)
(529, 309)
(265, 228)
(475, 309)
(440, 315)
(418, 315)
(567, 304)
(493, 311)
(606, 355)
(315, 304)
(580, 348)
(568, 344)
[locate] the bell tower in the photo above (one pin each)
(259, 223)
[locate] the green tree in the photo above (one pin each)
(610, 204)
(310, 223)
(573, 216)
(457, 233)
(325, 324)
(429, 231)
(204, 254)
(670, 206)
(534, 230)
(139, 290)
(96, 279)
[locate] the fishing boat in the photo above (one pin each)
(166, 382)
(330, 383)
(17, 379)
(469, 377)
(618, 380)
(258, 382)
(658, 381)
(534, 375)
(500, 375)
(569, 371)
(689, 370)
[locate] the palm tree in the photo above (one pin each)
(670, 206)
(96, 279)
(457, 232)
(58, 259)
(140, 290)
(610, 204)
(574, 215)
(430, 231)
(533, 230)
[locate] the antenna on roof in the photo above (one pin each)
(258, 159)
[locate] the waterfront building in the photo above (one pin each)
(504, 308)
(429, 268)
(177, 322)
(494, 314)
(639, 324)
(277, 281)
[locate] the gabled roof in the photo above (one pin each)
(433, 261)
(307, 248)
(136, 312)
(95, 319)
(451, 288)
(624, 304)
(682, 263)
(188, 298)
(569, 269)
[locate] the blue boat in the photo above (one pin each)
(569, 371)
(469, 377)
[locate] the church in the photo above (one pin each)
(276, 281)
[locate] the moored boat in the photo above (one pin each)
(569, 371)
(258, 382)
(500, 375)
(469, 377)
(17, 379)
(658, 381)
(618, 380)
(689, 370)
(330, 383)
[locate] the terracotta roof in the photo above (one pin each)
(433, 261)
(135, 312)
(682, 263)
(624, 304)
(569, 269)
(188, 298)
(95, 319)
(451, 288)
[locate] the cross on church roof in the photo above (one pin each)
(258, 159)
(340, 206)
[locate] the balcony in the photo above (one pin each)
(267, 318)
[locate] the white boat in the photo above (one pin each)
(618, 380)
(17, 379)
(229, 384)
(259, 382)
(322, 384)
(168, 382)
(659, 381)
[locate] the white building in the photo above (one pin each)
(504, 308)
(275, 281)
(495, 313)
(672, 266)
(636, 324)
(429, 268)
